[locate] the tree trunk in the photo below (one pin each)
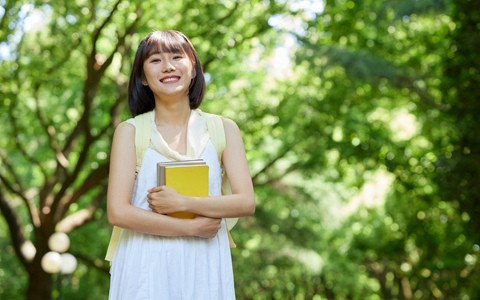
(39, 283)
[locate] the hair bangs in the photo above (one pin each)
(165, 42)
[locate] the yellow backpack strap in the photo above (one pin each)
(112, 246)
(217, 136)
(143, 132)
(217, 133)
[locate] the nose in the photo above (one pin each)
(168, 66)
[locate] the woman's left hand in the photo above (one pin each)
(165, 200)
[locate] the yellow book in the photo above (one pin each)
(189, 178)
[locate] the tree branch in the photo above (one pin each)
(272, 179)
(90, 87)
(262, 28)
(97, 33)
(379, 271)
(20, 188)
(116, 109)
(15, 228)
(64, 59)
(372, 68)
(32, 210)
(82, 216)
(94, 179)
(97, 263)
(89, 139)
(425, 97)
(221, 20)
(271, 163)
(50, 131)
(121, 42)
(19, 144)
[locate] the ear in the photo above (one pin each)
(144, 81)
(194, 71)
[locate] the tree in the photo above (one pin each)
(362, 144)
(364, 182)
(63, 91)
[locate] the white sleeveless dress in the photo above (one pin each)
(154, 267)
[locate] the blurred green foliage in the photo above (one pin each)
(360, 120)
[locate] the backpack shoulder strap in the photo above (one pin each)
(217, 133)
(143, 132)
(217, 136)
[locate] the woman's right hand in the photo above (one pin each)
(206, 227)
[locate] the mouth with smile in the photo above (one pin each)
(169, 79)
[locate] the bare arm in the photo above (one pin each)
(120, 185)
(240, 203)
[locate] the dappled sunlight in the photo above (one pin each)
(403, 125)
(311, 260)
(359, 120)
(372, 194)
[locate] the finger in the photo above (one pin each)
(153, 208)
(156, 189)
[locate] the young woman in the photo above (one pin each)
(158, 256)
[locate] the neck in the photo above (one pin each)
(177, 113)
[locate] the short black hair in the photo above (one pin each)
(140, 97)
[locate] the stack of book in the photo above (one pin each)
(188, 177)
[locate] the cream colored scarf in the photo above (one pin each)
(197, 138)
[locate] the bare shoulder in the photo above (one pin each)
(124, 135)
(230, 126)
(233, 136)
(125, 129)
(123, 145)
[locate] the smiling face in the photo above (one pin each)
(166, 66)
(168, 75)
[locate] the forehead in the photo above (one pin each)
(163, 43)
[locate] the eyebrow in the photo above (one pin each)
(158, 51)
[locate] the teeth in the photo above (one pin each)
(170, 79)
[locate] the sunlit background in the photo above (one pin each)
(359, 120)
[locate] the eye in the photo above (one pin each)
(177, 57)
